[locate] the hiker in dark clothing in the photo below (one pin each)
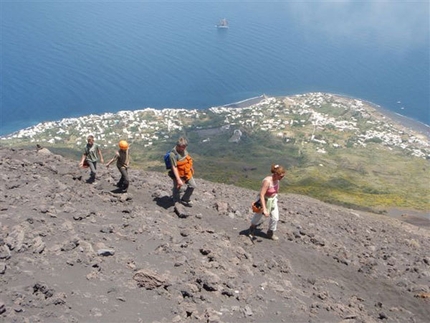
(122, 158)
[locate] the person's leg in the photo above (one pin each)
(256, 220)
(175, 191)
(274, 217)
(121, 180)
(124, 178)
(191, 185)
(93, 167)
(273, 223)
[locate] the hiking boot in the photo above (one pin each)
(187, 203)
(271, 235)
(251, 230)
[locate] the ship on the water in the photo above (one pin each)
(223, 24)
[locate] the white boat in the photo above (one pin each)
(223, 24)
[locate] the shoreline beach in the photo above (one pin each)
(395, 117)
(402, 120)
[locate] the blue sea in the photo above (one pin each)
(64, 59)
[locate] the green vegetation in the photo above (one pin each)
(337, 162)
(359, 178)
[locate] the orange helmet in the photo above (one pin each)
(123, 144)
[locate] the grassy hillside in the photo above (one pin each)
(364, 178)
(336, 149)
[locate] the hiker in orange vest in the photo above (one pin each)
(182, 172)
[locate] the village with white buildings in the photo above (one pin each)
(312, 118)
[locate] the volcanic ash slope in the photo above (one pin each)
(76, 252)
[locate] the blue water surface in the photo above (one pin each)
(67, 59)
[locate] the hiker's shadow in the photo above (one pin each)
(164, 201)
(257, 233)
(118, 191)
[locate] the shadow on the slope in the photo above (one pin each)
(164, 201)
(119, 190)
(257, 233)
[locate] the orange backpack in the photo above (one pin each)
(185, 167)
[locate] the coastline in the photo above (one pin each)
(402, 120)
(246, 103)
(395, 117)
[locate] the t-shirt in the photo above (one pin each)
(175, 156)
(122, 159)
(91, 152)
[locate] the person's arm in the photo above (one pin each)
(263, 190)
(192, 167)
(176, 173)
(81, 163)
(100, 153)
(112, 160)
(175, 170)
(127, 159)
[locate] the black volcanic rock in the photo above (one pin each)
(77, 252)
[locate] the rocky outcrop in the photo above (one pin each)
(77, 252)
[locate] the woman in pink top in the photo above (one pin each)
(269, 202)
